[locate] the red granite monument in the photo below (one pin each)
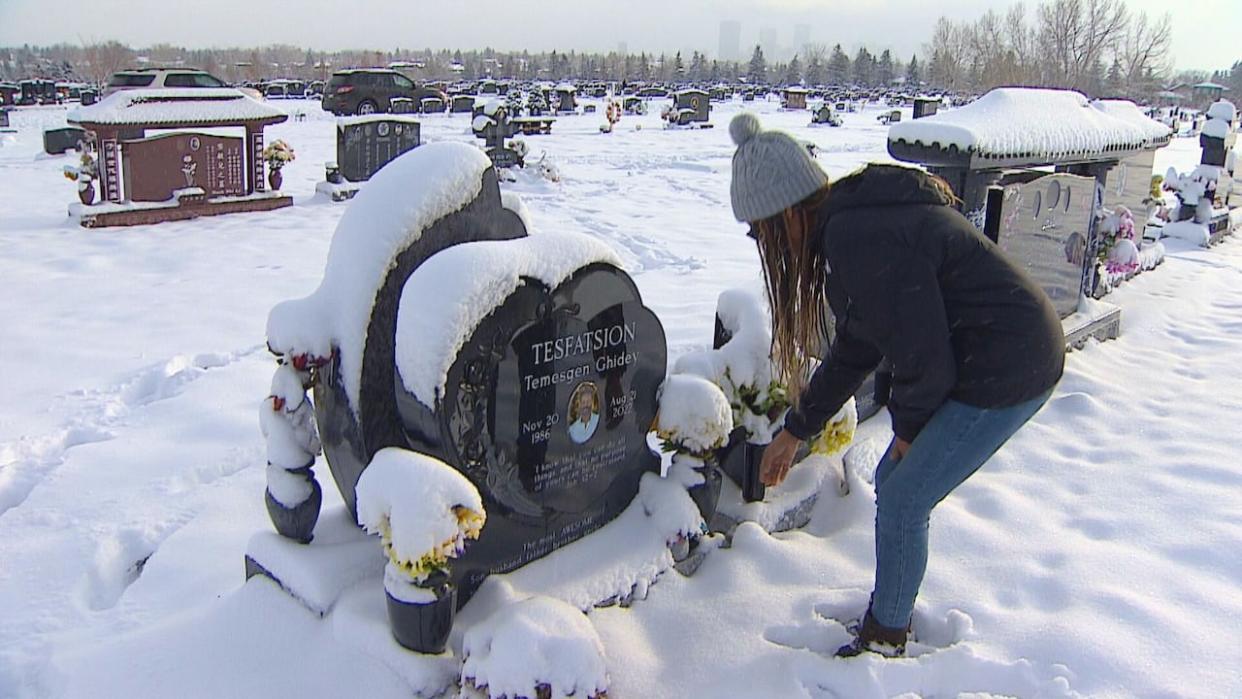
(182, 174)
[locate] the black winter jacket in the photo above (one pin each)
(912, 280)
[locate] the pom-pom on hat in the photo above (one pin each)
(772, 171)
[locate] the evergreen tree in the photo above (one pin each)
(884, 72)
(838, 66)
(864, 67)
(679, 69)
(758, 67)
(815, 71)
(1113, 80)
(793, 72)
(914, 74)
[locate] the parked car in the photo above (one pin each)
(157, 78)
(371, 90)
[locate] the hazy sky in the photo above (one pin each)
(1207, 33)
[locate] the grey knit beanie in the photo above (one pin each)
(771, 170)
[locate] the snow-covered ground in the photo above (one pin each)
(1096, 555)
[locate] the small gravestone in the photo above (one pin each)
(493, 125)
(89, 97)
(690, 107)
(156, 167)
(433, 105)
(925, 107)
(824, 115)
(1047, 226)
(60, 141)
(366, 144)
(401, 105)
(4, 118)
(462, 104)
(566, 99)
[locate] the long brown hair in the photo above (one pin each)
(795, 277)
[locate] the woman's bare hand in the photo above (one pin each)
(778, 459)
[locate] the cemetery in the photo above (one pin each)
(513, 394)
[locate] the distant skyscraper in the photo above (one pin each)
(730, 41)
(802, 37)
(767, 42)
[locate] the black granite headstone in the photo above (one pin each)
(1214, 151)
(694, 106)
(58, 141)
(924, 107)
(363, 148)
(1047, 226)
(547, 410)
(546, 407)
(4, 118)
(401, 105)
(462, 104)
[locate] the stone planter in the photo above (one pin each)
(298, 522)
(424, 627)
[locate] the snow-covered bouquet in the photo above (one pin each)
(278, 154)
(85, 171)
(695, 418)
(424, 511)
(1119, 253)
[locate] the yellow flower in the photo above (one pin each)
(837, 435)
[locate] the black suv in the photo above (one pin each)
(367, 91)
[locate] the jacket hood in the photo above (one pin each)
(884, 185)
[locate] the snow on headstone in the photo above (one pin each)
(399, 203)
(1018, 121)
(471, 280)
(538, 647)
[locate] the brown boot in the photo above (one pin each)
(874, 638)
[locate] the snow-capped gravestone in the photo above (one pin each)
(366, 144)
(526, 362)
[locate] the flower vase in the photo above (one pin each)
(741, 460)
(87, 193)
(706, 495)
(421, 621)
(297, 522)
(275, 179)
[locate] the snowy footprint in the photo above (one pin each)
(119, 560)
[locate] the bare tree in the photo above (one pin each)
(1076, 36)
(1143, 52)
(104, 59)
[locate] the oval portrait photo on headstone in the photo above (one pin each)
(583, 412)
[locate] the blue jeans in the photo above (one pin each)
(952, 446)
